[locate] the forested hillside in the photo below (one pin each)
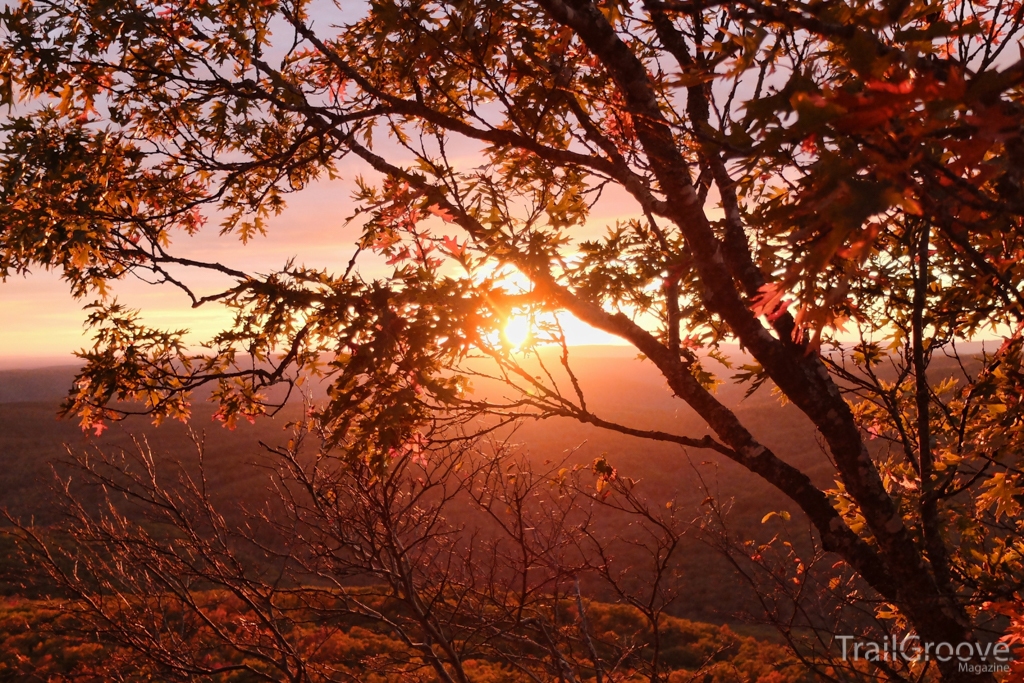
(40, 640)
(618, 386)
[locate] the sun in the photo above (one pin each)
(517, 331)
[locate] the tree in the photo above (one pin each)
(795, 168)
(461, 562)
(345, 552)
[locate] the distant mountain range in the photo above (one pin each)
(36, 385)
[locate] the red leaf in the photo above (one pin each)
(400, 256)
(452, 246)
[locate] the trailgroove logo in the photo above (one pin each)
(973, 657)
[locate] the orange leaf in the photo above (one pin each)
(443, 214)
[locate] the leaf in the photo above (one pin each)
(452, 246)
(402, 255)
(782, 514)
(443, 214)
(1001, 492)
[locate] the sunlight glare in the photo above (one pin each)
(517, 331)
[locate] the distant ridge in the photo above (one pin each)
(51, 383)
(36, 385)
(10, 362)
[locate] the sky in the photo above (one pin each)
(43, 323)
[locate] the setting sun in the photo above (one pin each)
(517, 331)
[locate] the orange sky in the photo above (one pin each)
(43, 323)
